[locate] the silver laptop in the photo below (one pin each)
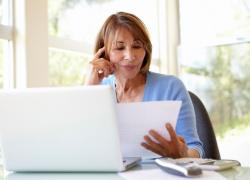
(61, 129)
(63, 176)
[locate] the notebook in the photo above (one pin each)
(60, 130)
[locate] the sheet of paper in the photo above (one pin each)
(148, 174)
(136, 119)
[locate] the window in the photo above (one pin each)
(1, 49)
(4, 37)
(78, 22)
(214, 61)
(1, 64)
(5, 43)
(214, 22)
(1, 11)
(66, 68)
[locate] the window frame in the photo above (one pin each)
(6, 34)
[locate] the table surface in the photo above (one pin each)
(236, 173)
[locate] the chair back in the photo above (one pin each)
(205, 128)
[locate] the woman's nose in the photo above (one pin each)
(129, 54)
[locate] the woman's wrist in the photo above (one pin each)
(193, 153)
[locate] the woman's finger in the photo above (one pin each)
(150, 148)
(102, 66)
(99, 53)
(153, 146)
(181, 139)
(159, 138)
(157, 147)
(172, 133)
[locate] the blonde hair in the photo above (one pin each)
(132, 24)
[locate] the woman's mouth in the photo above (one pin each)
(129, 67)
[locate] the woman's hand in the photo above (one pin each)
(175, 148)
(99, 68)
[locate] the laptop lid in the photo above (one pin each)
(60, 129)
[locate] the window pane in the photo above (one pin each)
(210, 21)
(1, 11)
(80, 20)
(1, 63)
(220, 76)
(66, 68)
(5, 12)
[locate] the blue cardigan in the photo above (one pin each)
(165, 87)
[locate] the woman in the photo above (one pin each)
(122, 59)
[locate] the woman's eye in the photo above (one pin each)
(137, 45)
(119, 48)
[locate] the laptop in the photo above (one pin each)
(64, 176)
(66, 129)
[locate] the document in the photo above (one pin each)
(136, 119)
(147, 174)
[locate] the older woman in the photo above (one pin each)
(122, 59)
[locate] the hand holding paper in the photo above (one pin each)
(175, 147)
(136, 119)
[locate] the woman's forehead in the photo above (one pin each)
(123, 34)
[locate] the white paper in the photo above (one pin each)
(136, 119)
(148, 174)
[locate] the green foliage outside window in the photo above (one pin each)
(58, 7)
(228, 73)
(67, 68)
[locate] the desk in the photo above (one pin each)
(237, 173)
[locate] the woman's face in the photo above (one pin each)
(127, 54)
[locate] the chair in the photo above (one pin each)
(205, 129)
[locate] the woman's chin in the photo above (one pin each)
(127, 75)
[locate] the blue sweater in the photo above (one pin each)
(161, 87)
